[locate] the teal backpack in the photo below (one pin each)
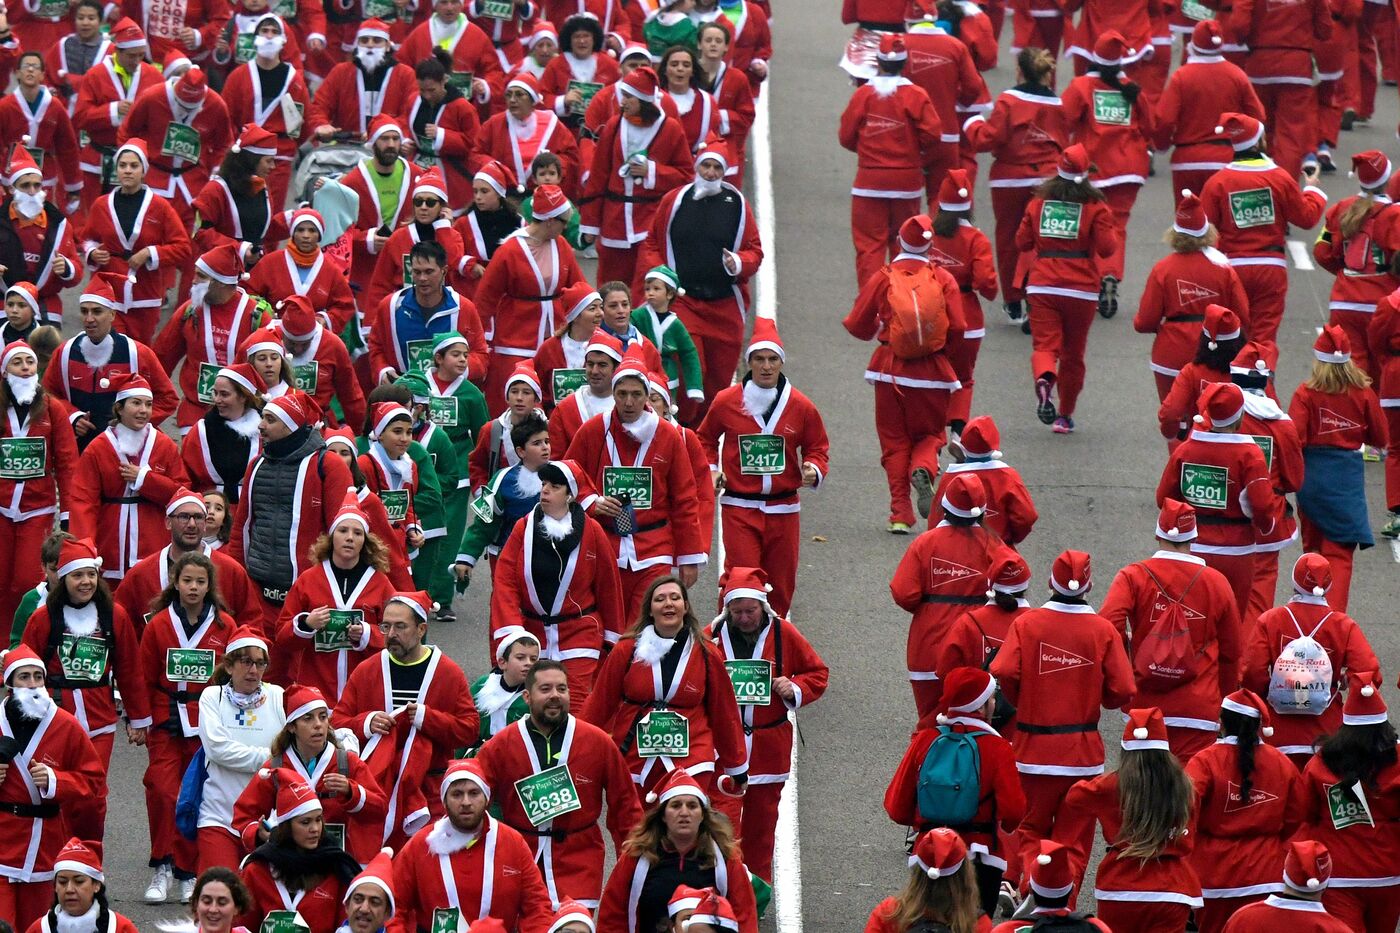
(950, 780)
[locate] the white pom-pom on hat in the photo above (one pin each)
(1319, 591)
(933, 871)
(991, 594)
(1216, 40)
(1261, 366)
(1213, 345)
(387, 851)
(1199, 419)
(1074, 584)
(976, 510)
(767, 587)
(996, 455)
(264, 773)
(1173, 532)
(962, 192)
(928, 234)
(1220, 129)
(1043, 859)
(1140, 733)
(1314, 884)
(1368, 691)
(436, 605)
(1267, 731)
(26, 139)
(651, 796)
(1186, 192)
(941, 719)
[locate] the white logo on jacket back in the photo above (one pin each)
(926, 61)
(942, 258)
(1189, 292)
(942, 571)
(1055, 660)
(876, 125)
(1234, 800)
(1332, 422)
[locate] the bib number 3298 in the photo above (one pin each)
(663, 732)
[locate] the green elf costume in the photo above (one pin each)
(664, 328)
(428, 506)
(499, 703)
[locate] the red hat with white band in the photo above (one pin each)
(1052, 876)
(765, 337)
(1221, 403)
(1248, 703)
(714, 912)
(633, 365)
(138, 147)
(939, 853)
(307, 215)
(1207, 39)
(350, 511)
(1312, 574)
(128, 385)
(964, 496)
(296, 409)
(76, 856)
(659, 385)
(1221, 324)
(1190, 217)
(955, 192)
(295, 797)
(641, 83)
(79, 554)
(1364, 705)
(1176, 522)
(892, 48)
(245, 637)
(606, 344)
(383, 124)
(127, 35)
(1370, 168)
(916, 233)
(253, 138)
(572, 911)
(967, 689)
(1332, 345)
(500, 177)
(21, 163)
(185, 496)
(21, 656)
(684, 898)
(576, 298)
(380, 873)
(544, 29)
(1074, 163)
(1243, 131)
(980, 437)
(374, 28)
(264, 338)
(17, 348)
(1307, 866)
(549, 203)
(104, 287)
(745, 583)
(1009, 574)
(301, 699)
(1070, 574)
(528, 83)
(222, 264)
(679, 783)
(466, 769)
(298, 318)
(509, 636)
(431, 183)
(1145, 730)
(420, 602)
(525, 374)
(28, 292)
(245, 376)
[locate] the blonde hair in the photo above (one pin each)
(1186, 243)
(646, 839)
(1356, 212)
(952, 900)
(1337, 378)
(691, 623)
(1155, 798)
(374, 553)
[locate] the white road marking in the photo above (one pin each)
(1298, 250)
(762, 148)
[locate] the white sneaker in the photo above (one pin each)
(159, 888)
(186, 890)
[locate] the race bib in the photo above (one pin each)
(586, 89)
(496, 9)
(335, 637)
(1060, 219)
(1193, 10)
(462, 81)
(1347, 806)
(83, 657)
(23, 458)
(395, 503)
(762, 454)
(447, 920)
(1252, 208)
(204, 382)
(566, 381)
(1204, 486)
(407, 272)
(37, 154)
(283, 921)
(442, 411)
(333, 834)
(1112, 108)
(52, 9)
(181, 142)
(191, 665)
(381, 9)
(1266, 445)
(420, 352)
(663, 732)
(425, 157)
(244, 49)
(287, 9)
(548, 795)
(483, 506)
(306, 376)
(752, 680)
(628, 483)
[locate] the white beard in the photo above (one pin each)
(444, 838)
(85, 923)
(100, 353)
(651, 647)
(557, 528)
(643, 428)
(705, 188)
(81, 621)
(29, 205)
(130, 442)
(199, 291)
(527, 482)
(246, 424)
(22, 388)
(757, 400)
(33, 702)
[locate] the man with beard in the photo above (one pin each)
(369, 900)
(359, 90)
(46, 762)
(551, 750)
(383, 183)
(468, 865)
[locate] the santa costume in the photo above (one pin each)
(96, 111)
(515, 143)
(243, 92)
(1010, 514)
(1307, 869)
(243, 218)
(30, 248)
(316, 276)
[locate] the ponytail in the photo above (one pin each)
(1245, 730)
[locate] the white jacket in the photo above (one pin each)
(236, 743)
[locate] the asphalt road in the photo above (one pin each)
(1093, 489)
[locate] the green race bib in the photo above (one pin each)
(333, 834)
(191, 665)
(83, 657)
(23, 458)
(1191, 9)
(1266, 444)
(420, 352)
(462, 81)
(586, 91)
(1347, 807)
(442, 410)
(566, 381)
(752, 680)
(548, 795)
(204, 382)
(1060, 219)
(306, 376)
(381, 9)
(632, 483)
(287, 9)
(334, 636)
(663, 732)
(1252, 208)
(244, 48)
(1112, 108)
(496, 9)
(1205, 486)
(37, 154)
(483, 505)
(283, 921)
(395, 503)
(407, 276)
(425, 157)
(181, 142)
(762, 454)
(52, 9)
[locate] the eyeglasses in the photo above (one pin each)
(386, 627)
(426, 202)
(251, 662)
(187, 517)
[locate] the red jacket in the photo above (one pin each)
(870, 318)
(158, 227)
(735, 97)
(1178, 409)
(554, 83)
(1174, 301)
(1384, 338)
(618, 208)
(151, 575)
(753, 38)
(342, 102)
(188, 337)
(51, 492)
(325, 371)
(1276, 913)
(618, 911)
(1273, 431)
(889, 124)
(1253, 203)
(171, 176)
(364, 253)
(967, 257)
(1132, 18)
(1360, 263)
(1280, 37)
(175, 703)
(88, 693)
(389, 274)
(32, 236)
(496, 140)
(50, 130)
(1365, 854)
(384, 352)
(95, 111)
(243, 95)
(221, 220)
(1346, 421)
(1226, 475)
(160, 22)
(1116, 134)
(1010, 514)
(299, 659)
(942, 66)
(320, 906)
(1025, 132)
(701, 121)
(519, 308)
(78, 382)
(1189, 110)
(1086, 230)
(453, 146)
(471, 51)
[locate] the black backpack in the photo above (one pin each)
(1069, 923)
(930, 926)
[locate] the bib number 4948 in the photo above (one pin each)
(1252, 208)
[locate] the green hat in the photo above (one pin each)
(667, 275)
(417, 383)
(447, 339)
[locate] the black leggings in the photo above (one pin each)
(988, 887)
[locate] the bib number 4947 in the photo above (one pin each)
(1060, 219)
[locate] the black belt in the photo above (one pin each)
(63, 683)
(1067, 729)
(650, 526)
(1219, 520)
(1064, 254)
(123, 500)
(937, 599)
(1185, 319)
(437, 772)
(536, 297)
(632, 198)
(555, 620)
(177, 172)
(760, 496)
(985, 828)
(556, 834)
(880, 27)
(181, 696)
(33, 811)
(1271, 249)
(750, 730)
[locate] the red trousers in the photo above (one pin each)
(1189, 179)
(1238, 570)
(139, 323)
(1376, 35)
(219, 846)
(1267, 289)
(909, 423)
(1043, 32)
(1262, 591)
(927, 696)
(169, 756)
(1338, 555)
(875, 231)
(1008, 205)
(1045, 794)
(87, 818)
(962, 353)
(1120, 199)
(1372, 910)
(1144, 916)
(19, 551)
(1334, 58)
(717, 327)
(754, 538)
(1295, 135)
(1218, 910)
(1392, 461)
(755, 819)
(616, 264)
(1164, 385)
(1059, 336)
(24, 902)
(634, 586)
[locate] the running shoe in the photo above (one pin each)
(186, 890)
(1044, 405)
(159, 888)
(1014, 312)
(1008, 899)
(1108, 297)
(1391, 529)
(1064, 425)
(899, 528)
(1348, 118)
(1324, 158)
(923, 491)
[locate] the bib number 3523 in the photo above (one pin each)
(23, 457)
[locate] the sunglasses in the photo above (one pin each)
(426, 202)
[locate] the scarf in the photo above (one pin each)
(557, 529)
(445, 839)
(293, 862)
(303, 260)
(83, 923)
(244, 701)
(643, 428)
(81, 620)
(651, 647)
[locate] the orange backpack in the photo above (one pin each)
(918, 325)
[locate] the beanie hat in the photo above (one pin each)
(1145, 729)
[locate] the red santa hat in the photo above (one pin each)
(296, 409)
(1312, 575)
(383, 413)
(127, 35)
(253, 138)
(1251, 360)
(509, 636)
(658, 384)
(1052, 877)
(379, 873)
(1111, 48)
(939, 853)
(1176, 522)
(604, 343)
(307, 215)
(1370, 168)
(981, 438)
(20, 656)
(1332, 345)
(222, 264)
(916, 233)
(1221, 324)
(383, 124)
(79, 554)
(955, 191)
(572, 911)
(500, 177)
(76, 856)
(524, 373)
(137, 147)
(350, 511)
(1221, 403)
(1307, 866)
(297, 317)
(684, 898)
(715, 149)
(420, 602)
(27, 291)
(264, 338)
(300, 699)
(127, 385)
(765, 337)
(21, 163)
(1009, 573)
(295, 797)
(634, 50)
(633, 365)
(1071, 574)
(1145, 729)
(1074, 163)
(965, 496)
(244, 376)
(1242, 130)
(1206, 38)
(1248, 703)
(192, 86)
(185, 496)
(549, 202)
(344, 437)
(1364, 705)
(374, 28)
(245, 637)
(104, 287)
(488, 925)
(17, 348)
(641, 83)
(744, 583)
(175, 59)
(1190, 215)
(576, 297)
(524, 81)
(967, 690)
(544, 29)
(892, 48)
(679, 783)
(466, 769)
(431, 183)
(714, 912)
